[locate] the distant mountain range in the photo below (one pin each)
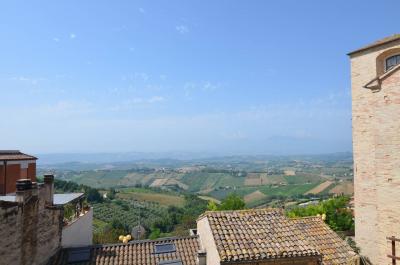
(172, 157)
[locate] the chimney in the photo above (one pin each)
(24, 190)
(201, 257)
(35, 189)
(49, 188)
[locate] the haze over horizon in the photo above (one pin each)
(224, 77)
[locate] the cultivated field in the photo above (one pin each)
(256, 179)
(254, 196)
(151, 196)
(320, 188)
(345, 187)
(208, 198)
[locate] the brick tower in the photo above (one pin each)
(375, 78)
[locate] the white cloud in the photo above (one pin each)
(206, 86)
(141, 10)
(56, 39)
(182, 29)
(29, 80)
(137, 102)
(72, 35)
(156, 99)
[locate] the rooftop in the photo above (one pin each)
(59, 199)
(261, 234)
(135, 252)
(10, 155)
(383, 41)
(333, 249)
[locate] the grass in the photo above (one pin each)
(98, 224)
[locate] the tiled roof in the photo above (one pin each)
(257, 234)
(394, 37)
(260, 234)
(333, 249)
(137, 253)
(9, 155)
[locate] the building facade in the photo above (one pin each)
(267, 236)
(15, 165)
(34, 227)
(375, 79)
(30, 225)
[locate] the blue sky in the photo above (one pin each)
(229, 77)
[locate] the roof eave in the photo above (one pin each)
(19, 159)
(372, 46)
(276, 259)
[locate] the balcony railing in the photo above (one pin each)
(393, 255)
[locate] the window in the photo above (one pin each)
(392, 62)
(164, 248)
(170, 262)
(78, 255)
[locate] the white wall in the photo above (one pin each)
(207, 241)
(80, 232)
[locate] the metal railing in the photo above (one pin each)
(393, 256)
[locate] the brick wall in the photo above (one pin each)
(376, 149)
(13, 174)
(2, 187)
(14, 171)
(32, 171)
(30, 232)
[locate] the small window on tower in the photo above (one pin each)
(392, 62)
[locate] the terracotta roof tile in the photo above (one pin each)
(260, 234)
(333, 249)
(138, 252)
(256, 235)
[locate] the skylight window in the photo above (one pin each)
(164, 248)
(170, 262)
(78, 255)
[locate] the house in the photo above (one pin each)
(15, 165)
(168, 251)
(266, 236)
(375, 81)
(32, 224)
(257, 236)
(138, 232)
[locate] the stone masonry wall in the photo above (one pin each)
(376, 149)
(30, 232)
